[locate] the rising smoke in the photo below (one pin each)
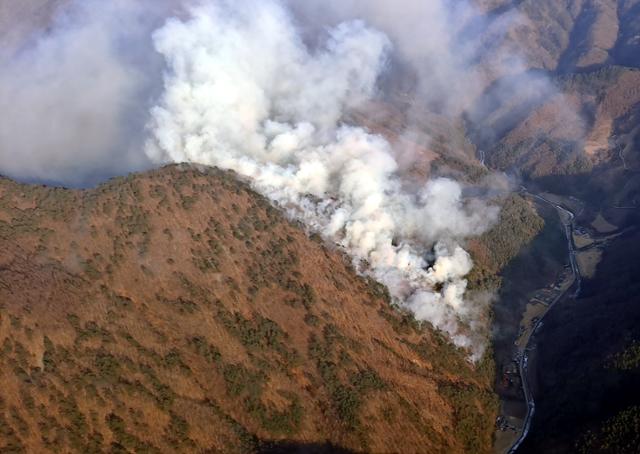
(75, 101)
(453, 48)
(262, 87)
(243, 92)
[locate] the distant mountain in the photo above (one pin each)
(572, 35)
(590, 50)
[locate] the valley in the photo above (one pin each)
(585, 246)
(313, 227)
(513, 427)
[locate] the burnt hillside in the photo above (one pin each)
(177, 311)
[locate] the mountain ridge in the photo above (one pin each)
(186, 292)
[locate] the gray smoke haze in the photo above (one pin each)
(457, 58)
(75, 101)
(262, 87)
(243, 92)
(452, 47)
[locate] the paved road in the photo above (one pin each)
(523, 363)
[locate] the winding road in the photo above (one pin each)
(567, 221)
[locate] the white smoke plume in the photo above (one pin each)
(465, 59)
(242, 91)
(453, 47)
(266, 88)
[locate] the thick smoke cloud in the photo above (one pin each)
(75, 101)
(243, 92)
(452, 47)
(264, 88)
(457, 57)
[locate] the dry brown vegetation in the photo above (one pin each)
(178, 311)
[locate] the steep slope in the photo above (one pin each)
(588, 50)
(589, 372)
(571, 35)
(178, 311)
(582, 126)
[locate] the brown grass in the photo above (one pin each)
(211, 349)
